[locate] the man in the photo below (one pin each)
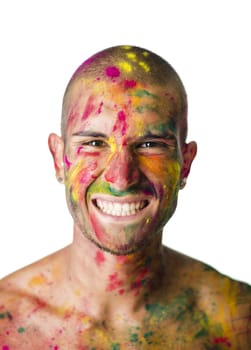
(123, 158)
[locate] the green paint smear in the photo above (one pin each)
(115, 346)
(177, 309)
(105, 188)
(202, 333)
(6, 314)
(143, 93)
(147, 108)
(134, 338)
(21, 330)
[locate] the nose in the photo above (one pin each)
(122, 171)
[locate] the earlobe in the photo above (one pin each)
(189, 152)
(56, 147)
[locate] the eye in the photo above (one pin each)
(150, 144)
(94, 143)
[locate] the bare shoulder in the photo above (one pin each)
(225, 302)
(25, 299)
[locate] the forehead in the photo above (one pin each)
(98, 103)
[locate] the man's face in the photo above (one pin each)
(122, 161)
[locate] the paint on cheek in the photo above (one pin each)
(112, 72)
(5, 347)
(100, 258)
(67, 162)
(89, 109)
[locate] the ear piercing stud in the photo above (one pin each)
(60, 179)
(183, 183)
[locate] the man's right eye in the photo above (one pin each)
(94, 143)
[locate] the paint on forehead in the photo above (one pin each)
(100, 107)
(89, 108)
(112, 72)
(121, 123)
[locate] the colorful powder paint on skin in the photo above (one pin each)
(114, 282)
(89, 109)
(100, 107)
(112, 72)
(121, 123)
(222, 340)
(100, 258)
(5, 347)
(67, 162)
(129, 84)
(21, 330)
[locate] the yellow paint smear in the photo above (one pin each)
(145, 66)
(132, 56)
(37, 281)
(125, 66)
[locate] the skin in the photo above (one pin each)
(122, 157)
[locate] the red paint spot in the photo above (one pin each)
(100, 107)
(67, 162)
(114, 282)
(222, 340)
(90, 107)
(122, 259)
(99, 258)
(121, 291)
(112, 72)
(130, 84)
(40, 304)
(121, 123)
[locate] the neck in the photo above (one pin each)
(110, 277)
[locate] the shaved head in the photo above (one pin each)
(128, 66)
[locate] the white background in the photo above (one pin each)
(207, 42)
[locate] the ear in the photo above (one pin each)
(189, 152)
(56, 146)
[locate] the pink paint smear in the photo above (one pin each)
(112, 72)
(222, 340)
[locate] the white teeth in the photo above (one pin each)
(119, 209)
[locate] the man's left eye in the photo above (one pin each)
(152, 144)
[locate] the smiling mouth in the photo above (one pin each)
(120, 209)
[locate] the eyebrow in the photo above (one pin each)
(89, 133)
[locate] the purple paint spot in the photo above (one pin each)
(67, 162)
(5, 347)
(130, 84)
(112, 72)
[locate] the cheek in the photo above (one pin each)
(79, 177)
(164, 173)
